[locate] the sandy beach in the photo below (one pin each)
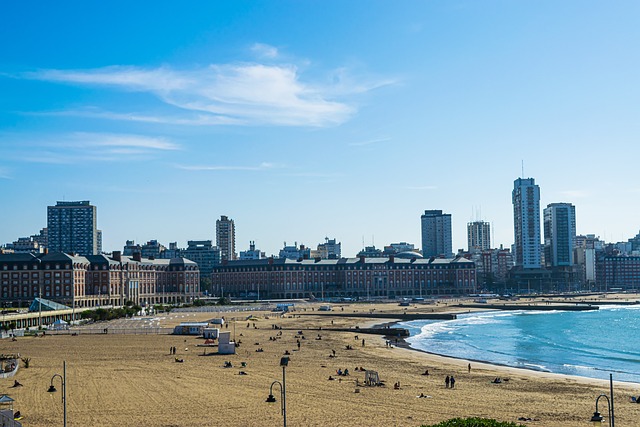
(115, 380)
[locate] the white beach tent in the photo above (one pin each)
(60, 324)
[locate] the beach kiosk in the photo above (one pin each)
(190, 328)
(225, 345)
(211, 333)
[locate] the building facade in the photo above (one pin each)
(203, 253)
(252, 253)
(72, 228)
(330, 249)
(559, 234)
(346, 277)
(617, 272)
(526, 224)
(93, 280)
(478, 236)
(226, 238)
(436, 234)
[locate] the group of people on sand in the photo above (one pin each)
(449, 382)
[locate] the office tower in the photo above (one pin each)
(526, 223)
(71, 228)
(436, 234)
(226, 238)
(559, 234)
(479, 236)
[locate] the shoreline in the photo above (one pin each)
(402, 344)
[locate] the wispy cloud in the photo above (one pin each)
(264, 50)
(245, 93)
(189, 119)
(261, 167)
(423, 188)
(369, 142)
(4, 173)
(88, 147)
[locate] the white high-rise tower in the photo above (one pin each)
(526, 223)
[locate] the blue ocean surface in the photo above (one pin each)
(585, 343)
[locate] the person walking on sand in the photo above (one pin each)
(452, 381)
(469, 367)
(446, 382)
(363, 342)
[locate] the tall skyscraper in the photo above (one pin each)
(479, 236)
(436, 234)
(559, 234)
(226, 238)
(526, 223)
(71, 228)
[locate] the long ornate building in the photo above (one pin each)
(346, 277)
(92, 280)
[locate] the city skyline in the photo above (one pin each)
(305, 120)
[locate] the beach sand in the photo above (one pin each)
(125, 380)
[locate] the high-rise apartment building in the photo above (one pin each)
(436, 234)
(71, 228)
(226, 238)
(479, 236)
(526, 223)
(559, 234)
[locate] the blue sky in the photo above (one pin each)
(306, 119)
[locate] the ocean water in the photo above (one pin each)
(585, 343)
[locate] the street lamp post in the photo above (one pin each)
(596, 419)
(52, 389)
(283, 391)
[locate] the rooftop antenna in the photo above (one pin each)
(522, 169)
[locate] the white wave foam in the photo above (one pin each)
(579, 367)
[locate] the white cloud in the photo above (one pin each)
(261, 167)
(85, 146)
(423, 188)
(369, 142)
(248, 93)
(4, 173)
(190, 119)
(264, 50)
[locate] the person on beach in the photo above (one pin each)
(469, 367)
(452, 381)
(446, 382)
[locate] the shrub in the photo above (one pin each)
(474, 422)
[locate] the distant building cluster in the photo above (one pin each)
(63, 259)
